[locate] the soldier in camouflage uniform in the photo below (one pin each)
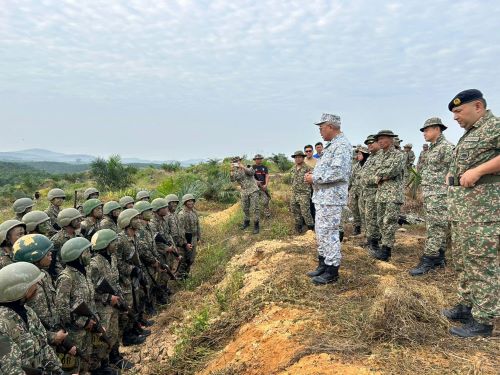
(434, 191)
(69, 220)
(37, 222)
(330, 180)
(126, 202)
(111, 210)
(356, 202)
(188, 217)
(422, 156)
(473, 202)
(262, 177)
(23, 339)
(244, 176)
(56, 198)
(300, 203)
(90, 193)
(390, 191)
(142, 195)
(92, 210)
(10, 232)
(103, 265)
(409, 161)
(176, 230)
(21, 207)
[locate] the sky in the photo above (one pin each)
(183, 79)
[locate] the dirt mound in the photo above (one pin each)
(325, 364)
(222, 217)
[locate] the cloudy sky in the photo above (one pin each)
(193, 79)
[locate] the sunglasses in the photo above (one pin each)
(309, 150)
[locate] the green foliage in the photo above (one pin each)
(171, 167)
(112, 174)
(414, 183)
(229, 293)
(282, 162)
(57, 167)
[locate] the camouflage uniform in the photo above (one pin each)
(475, 220)
(89, 226)
(434, 191)
(369, 190)
(52, 212)
(301, 196)
(160, 225)
(249, 192)
(390, 193)
(355, 200)
(24, 343)
(108, 223)
(421, 159)
(5, 256)
(59, 239)
(146, 247)
(191, 224)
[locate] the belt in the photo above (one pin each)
(486, 179)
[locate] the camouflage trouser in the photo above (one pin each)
(188, 257)
(475, 256)
(387, 217)
(436, 223)
(361, 208)
(327, 232)
(250, 203)
(300, 205)
(372, 228)
(109, 320)
(344, 217)
(83, 341)
(264, 202)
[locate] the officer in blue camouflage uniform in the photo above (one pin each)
(473, 207)
(330, 180)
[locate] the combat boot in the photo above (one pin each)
(459, 313)
(245, 224)
(384, 254)
(472, 329)
(115, 358)
(310, 227)
(357, 230)
(130, 339)
(425, 265)
(442, 258)
(298, 228)
(255, 227)
(341, 235)
(145, 322)
(104, 369)
(320, 269)
(330, 275)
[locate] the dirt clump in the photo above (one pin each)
(325, 364)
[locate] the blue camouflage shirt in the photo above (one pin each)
(332, 172)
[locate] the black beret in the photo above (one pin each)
(465, 96)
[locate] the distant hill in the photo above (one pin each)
(54, 167)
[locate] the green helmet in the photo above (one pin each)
(31, 248)
(8, 225)
(142, 194)
(142, 206)
(126, 216)
(56, 193)
(172, 198)
(102, 238)
(16, 279)
(21, 204)
(126, 200)
(34, 218)
(73, 248)
(159, 203)
(188, 197)
(110, 206)
(66, 216)
(89, 206)
(89, 192)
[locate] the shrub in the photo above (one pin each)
(171, 167)
(282, 162)
(112, 174)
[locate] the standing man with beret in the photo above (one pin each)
(330, 180)
(473, 208)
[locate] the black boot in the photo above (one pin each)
(357, 230)
(373, 247)
(145, 322)
(330, 275)
(320, 269)
(472, 329)
(298, 228)
(105, 369)
(245, 224)
(425, 265)
(255, 227)
(141, 331)
(130, 338)
(341, 235)
(161, 297)
(310, 227)
(442, 258)
(459, 313)
(384, 254)
(115, 358)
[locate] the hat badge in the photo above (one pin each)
(456, 101)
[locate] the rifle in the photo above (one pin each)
(166, 268)
(75, 198)
(104, 287)
(159, 238)
(67, 344)
(189, 238)
(83, 310)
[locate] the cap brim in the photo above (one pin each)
(320, 123)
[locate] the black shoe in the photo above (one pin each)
(298, 228)
(245, 224)
(384, 254)
(105, 369)
(256, 227)
(357, 230)
(341, 235)
(130, 339)
(310, 227)
(140, 331)
(145, 322)
(425, 265)
(373, 248)
(472, 329)
(330, 275)
(116, 359)
(459, 313)
(320, 269)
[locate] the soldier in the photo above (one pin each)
(390, 191)
(473, 201)
(262, 177)
(330, 181)
(249, 192)
(69, 220)
(188, 217)
(434, 191)
(410, 156)
(310, 160)
(301, 193)
(176, 230)
(421, 157)
(36, 249)
(111, 210)
(90, 193)
(142, 195)
(56, 198)
(92, 210)
(22, 206)
(356, 202)
(397, 143)
(126, 202)
(23, 340)
(103, 266)
(10, 232)
(37, 222)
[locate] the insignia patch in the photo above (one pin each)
(456, 101)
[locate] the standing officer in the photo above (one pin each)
(262, 177)
(301, 193)
(473, 202)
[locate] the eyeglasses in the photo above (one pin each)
(309, 150)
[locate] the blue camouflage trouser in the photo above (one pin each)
(327, 233)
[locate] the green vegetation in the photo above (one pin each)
(171, 167)
(112, 174)
(283, 163)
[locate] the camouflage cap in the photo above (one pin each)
(370, 139)
(298, 153)
(434, 121)
(397, 140)
(465, 96)
(235, 159)
(329, 118)
(385, 133)
(258, 156)
(408, 145)
(362, 149)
